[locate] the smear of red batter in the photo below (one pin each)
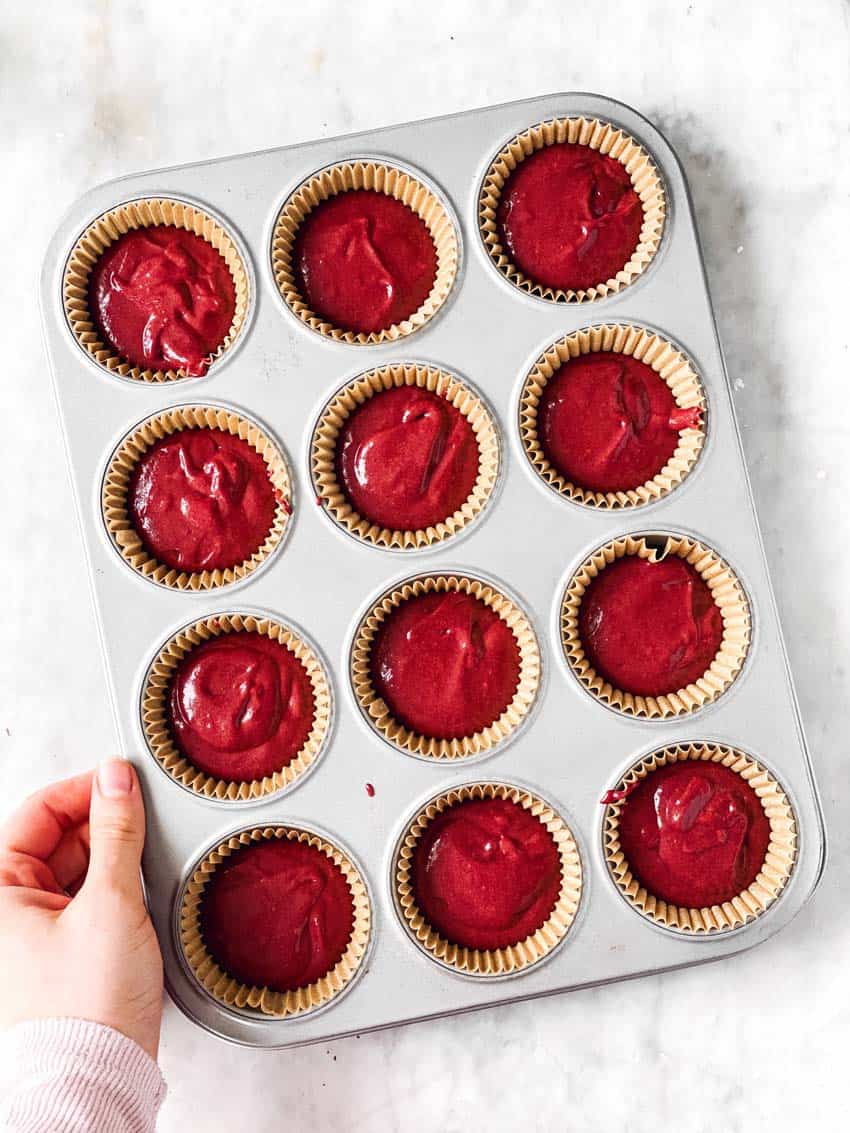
(201, 499)
(407, 459)
(611, 797)
(277, 914)
(364, 261)
(569, 217)
(241, 706)
(486, 873)
(694, 833)
(163, 298)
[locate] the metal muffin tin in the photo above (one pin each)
(529, 540)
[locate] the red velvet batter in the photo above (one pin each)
(277, 914)
(445, 664)
(569, 217)
(608, 422)
(364, 261)
(241, 706)
(650, 628)
(407, 459)
(201, 499)
(163, 298)
(694, 833)
(486, 874)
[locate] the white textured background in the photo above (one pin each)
(755, 97)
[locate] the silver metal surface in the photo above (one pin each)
(529, 539)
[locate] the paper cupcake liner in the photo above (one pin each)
(772, 877)
(106, 230)
(354, 394)
(376, 710)
(496, 961)
(393, 182)
(726, 591)
(116, 484)
(668, 362)
(607, 139)
(155, 714)
(230, 991)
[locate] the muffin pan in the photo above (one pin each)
(528, 543)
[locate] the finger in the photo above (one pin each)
(37, 826)
(70, 860)
(116, 832)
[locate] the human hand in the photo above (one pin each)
(75, 936)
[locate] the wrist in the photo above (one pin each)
(59, 1061)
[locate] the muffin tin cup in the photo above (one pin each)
(375, 709)
(354, 394)
(110, 226)
(263, 1000)
(606, 139)
(772, 877)
(727, 593)
(636, 342)
(394, 182)
(116, 517)
(496, 962)
(155, 713)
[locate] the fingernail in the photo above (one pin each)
(115, 778)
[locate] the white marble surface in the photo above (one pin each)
(755, 98)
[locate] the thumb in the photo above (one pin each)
(116, 831)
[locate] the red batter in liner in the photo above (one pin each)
(607, 422)
(694, 833)
(406, 459)
(649, 627)
(486, 874)
(241, 706)
(163, 298)
(277, 914)
(446, 665)
(201, 499)
(364, 261)
(569, 217)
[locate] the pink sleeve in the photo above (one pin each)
(73, 1076)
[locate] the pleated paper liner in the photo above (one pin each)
(726, 591)
(381, 178)
(772, 877)
(155, 708)
(353, 395)
(665, 359)
(608, 140)
(280, 1004)
(116, 485)
(108, 228)
(376, 710)
(496, 961)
